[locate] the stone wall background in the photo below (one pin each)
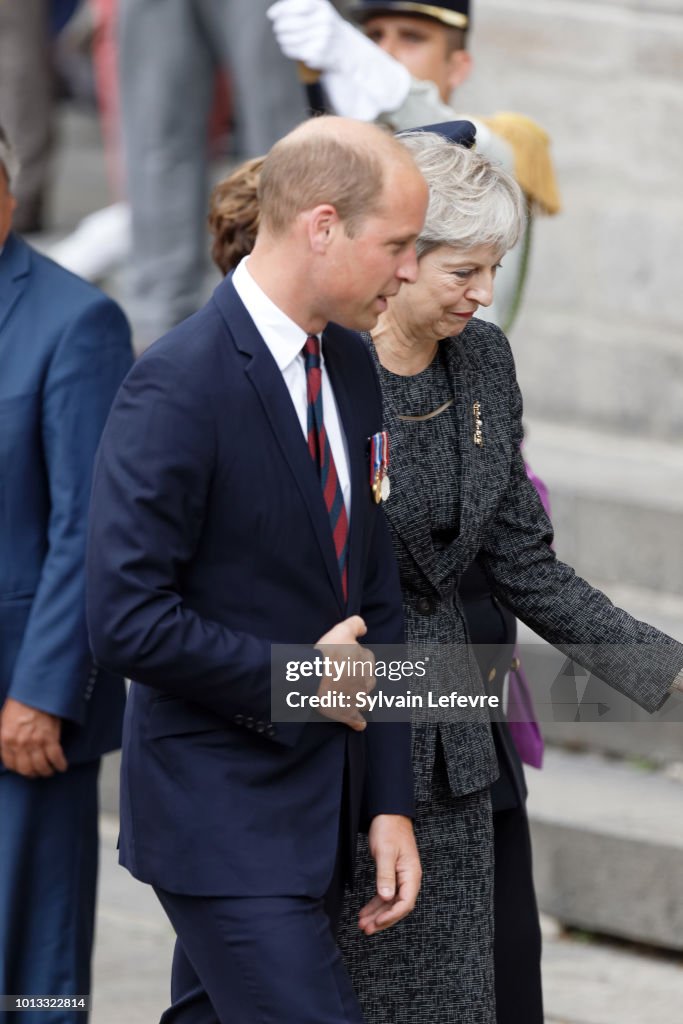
(599, 342)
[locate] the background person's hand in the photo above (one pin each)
(399, 873)
(360, 79)
(340, 645)
(30, 740)
(307, 30)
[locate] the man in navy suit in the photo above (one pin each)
(212, 540)
(64, 350)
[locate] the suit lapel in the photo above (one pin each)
(15, 265)
(265, 377)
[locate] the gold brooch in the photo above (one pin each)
(478, 424)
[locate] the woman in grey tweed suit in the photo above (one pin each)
(459, 487)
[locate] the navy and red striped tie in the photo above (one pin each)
(321, 453)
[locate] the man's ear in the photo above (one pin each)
(323, 222)
(459, 68)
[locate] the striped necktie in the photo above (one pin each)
(321, 453)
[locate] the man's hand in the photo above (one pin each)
(30, 740)
(351, 671)
(397, 862)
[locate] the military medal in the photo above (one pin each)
(379, 464)
(478, 424)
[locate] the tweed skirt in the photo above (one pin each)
(435, 966)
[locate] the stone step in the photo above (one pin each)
(601, 982)
(608, 847)
(617, 504)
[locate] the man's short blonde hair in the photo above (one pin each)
(315, 165)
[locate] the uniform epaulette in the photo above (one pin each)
(533, 164)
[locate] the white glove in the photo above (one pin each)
(360, 79)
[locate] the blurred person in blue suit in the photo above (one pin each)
(64, 350)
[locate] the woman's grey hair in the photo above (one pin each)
(471, 200)
(8, 158)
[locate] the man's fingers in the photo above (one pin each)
(385, 861)
(55, 756)
(7, 757)
(40, 766)
(356, 625)
(34, 759)
(355, 721)
(379, 915)
(23, 763)
(29, 740)
(349, 717)
(368, 913)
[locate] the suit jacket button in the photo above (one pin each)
(492, 675)
(238, 719)
(426, 606)
(249, 722)
(270, 730)
(260, 727)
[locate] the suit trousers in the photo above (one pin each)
(168, 54)
(266, 960)
(48, 877)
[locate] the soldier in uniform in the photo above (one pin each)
(409, 79)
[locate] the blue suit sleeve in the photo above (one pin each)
(90, 361)
(389, 770)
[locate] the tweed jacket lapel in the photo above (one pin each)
(405, 506)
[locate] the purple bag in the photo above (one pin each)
(522, 721)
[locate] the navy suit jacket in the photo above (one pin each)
(210, 540)
(64, 350)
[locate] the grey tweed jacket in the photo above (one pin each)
(501, 517)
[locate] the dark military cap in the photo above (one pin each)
(455, 14)
(461, 132)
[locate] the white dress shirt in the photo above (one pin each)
(285, 341)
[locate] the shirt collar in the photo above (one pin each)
(284, 338)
